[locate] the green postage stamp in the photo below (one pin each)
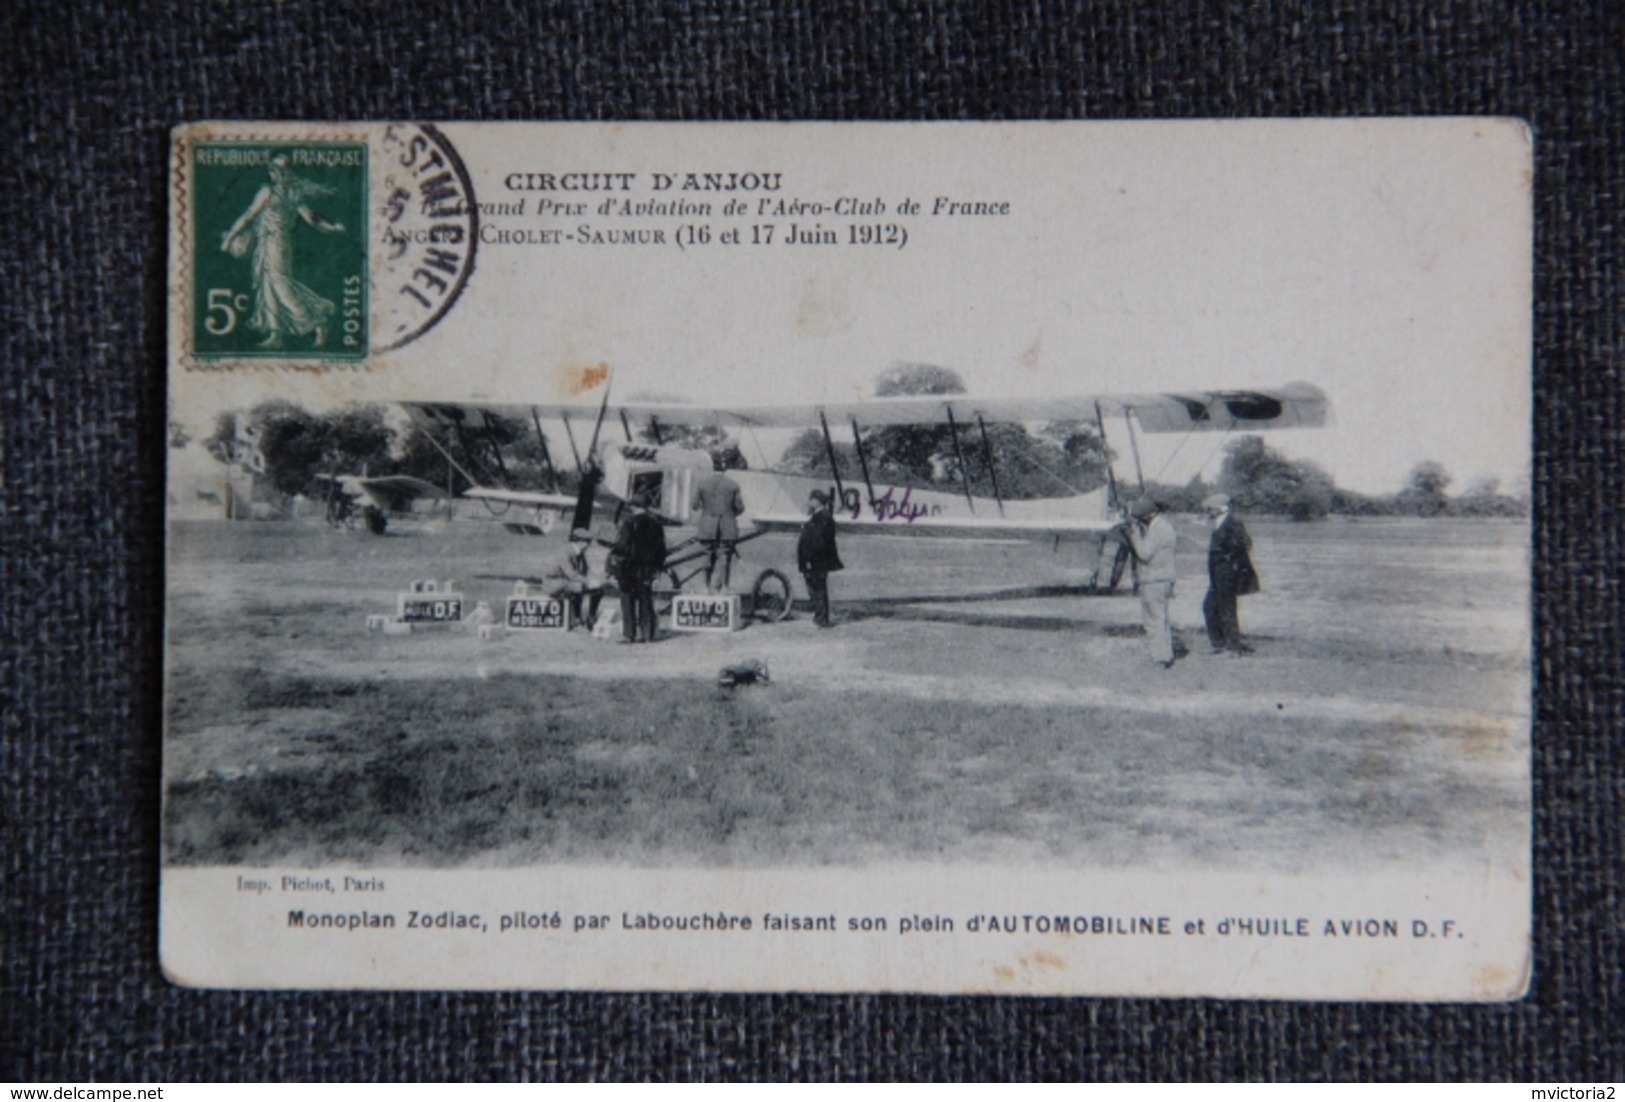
(279, 250)
(309, 247)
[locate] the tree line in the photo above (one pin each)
(293, 449)
(1261, 480)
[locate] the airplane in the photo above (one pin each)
(361, 499)
(615, 473)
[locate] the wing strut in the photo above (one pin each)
(1134, 447)
(458, 467)
(581, 517)
(547, 457)
(987, 458)
(593, 474)
(496, 449)
(1112, 497)
(863, 462)
(461, 434)
(959, 454)
(654, 427)
(834, 467)
(598, 426)
(568, 431)
(626, 426)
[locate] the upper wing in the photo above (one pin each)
(1294, 405)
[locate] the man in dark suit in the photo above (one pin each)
(1230, 576)
(640, 552)
(816, 554)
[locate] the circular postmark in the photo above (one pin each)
(428, 232)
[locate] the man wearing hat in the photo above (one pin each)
(717, 503)
(1152, 539)
(640, 552)
(1230, 575)
(566, 575)
(816, 554)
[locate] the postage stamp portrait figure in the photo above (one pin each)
(279, 250)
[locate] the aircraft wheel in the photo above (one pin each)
(377, 522)
(770, 597)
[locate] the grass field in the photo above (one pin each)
(952, 716)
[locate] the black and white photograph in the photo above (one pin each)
(1045, 558)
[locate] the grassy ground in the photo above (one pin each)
(1384, 720)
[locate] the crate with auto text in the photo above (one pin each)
(705, 612)
(534, 611)
(427, 603)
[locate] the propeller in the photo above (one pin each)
(593, 474)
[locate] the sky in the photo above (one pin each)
(1387, 261)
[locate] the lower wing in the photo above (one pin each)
(965, 528)
(534, 498)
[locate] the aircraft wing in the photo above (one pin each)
(604, 502)
(948, 527)
(562, 504)
(393, 493)
(533, 498)
(403, 485)
(1294, 405)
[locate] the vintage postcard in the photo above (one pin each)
(1052, 558)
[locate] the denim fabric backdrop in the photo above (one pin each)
(90, 94)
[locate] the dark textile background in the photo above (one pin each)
(90, 94)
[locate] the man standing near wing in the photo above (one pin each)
(640, 551)
(1152, 539)
(816, 555)
(1230, 576)
(719, 503)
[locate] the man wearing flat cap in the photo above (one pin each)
(717, 504)
(1152, 540)
(566, 575)
(1230, 576)
(816, 555)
